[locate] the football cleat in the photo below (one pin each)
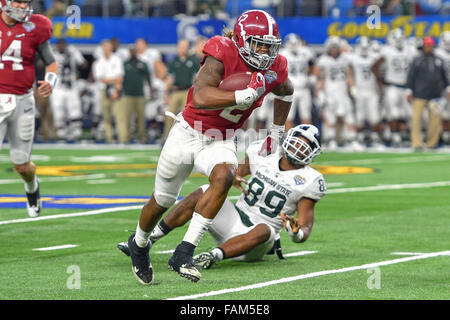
(123, 247)
(182, 263)
(204, 260)
(34, 203)
(140, 260)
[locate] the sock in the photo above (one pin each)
(197, 228)
(218, 253)
(141, 237)
(160, 231)
(31, 186)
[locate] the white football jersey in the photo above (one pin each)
(298, 65)
(67, 66)
(397, 63)
(363, 75)
(335, 72)
(444, 55)
(272, 191)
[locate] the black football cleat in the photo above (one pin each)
(182, 263)
(34, 203)
(140, 260)
(123, 247)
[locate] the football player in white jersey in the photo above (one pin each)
(396, 58)
(65, 101)
(301, 66)
(280, 185)
(365, 91)
(334, 78)
(443, 52)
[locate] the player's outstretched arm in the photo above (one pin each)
(299, 229)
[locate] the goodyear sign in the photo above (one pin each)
(168, 30)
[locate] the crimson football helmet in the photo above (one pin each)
(253, 29)
(19, 14)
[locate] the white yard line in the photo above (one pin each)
(71, 215)
(407, 253)
(298, 253)
(311, 275)
(64, 246)
(392, 187)
(58, 179)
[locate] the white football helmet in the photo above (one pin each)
(18, 14)
(301, 144)
(363, 45)
(292, 42)
(396, 38)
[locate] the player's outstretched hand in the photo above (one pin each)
(237, 183)
(290, 224)
(44, 89)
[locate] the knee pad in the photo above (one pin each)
(164, 200)
(19, 157)
(26, 127)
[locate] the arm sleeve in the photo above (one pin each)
(46, 53)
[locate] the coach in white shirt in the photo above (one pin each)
(108, 70)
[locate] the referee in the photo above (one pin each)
(427, 82)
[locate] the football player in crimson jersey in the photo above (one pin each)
(202, 135)
(22, 34)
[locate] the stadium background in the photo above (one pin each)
(386, 214)
(85, 23)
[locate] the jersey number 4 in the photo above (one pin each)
(14, 54)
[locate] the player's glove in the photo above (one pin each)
(273, 140)
(254, 91)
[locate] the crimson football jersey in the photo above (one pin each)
(231, 118)
(18, 45)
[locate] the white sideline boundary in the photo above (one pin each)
(312, 275)
(71, 215)
(337, 190)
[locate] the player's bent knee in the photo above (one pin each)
(19, 159)
(222, 177)
(265, 232)
(164, 200)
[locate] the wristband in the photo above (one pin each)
(288, 98)
(51, 78)
(276, 131)
(295, 237)
(245, 97)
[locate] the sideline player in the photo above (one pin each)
(443, 52)
(22, 34)
(335, 77)
(65, 100)
(365, 92)
(280, 184)
(202, 135)
(301, 66)
(396, 57)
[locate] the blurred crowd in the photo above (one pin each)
(358, 95)
(230, 8)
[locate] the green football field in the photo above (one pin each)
(381, 232)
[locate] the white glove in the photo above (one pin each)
(254, 91)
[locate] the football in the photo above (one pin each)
(236, 81)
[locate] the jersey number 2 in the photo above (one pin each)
(14, 54)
